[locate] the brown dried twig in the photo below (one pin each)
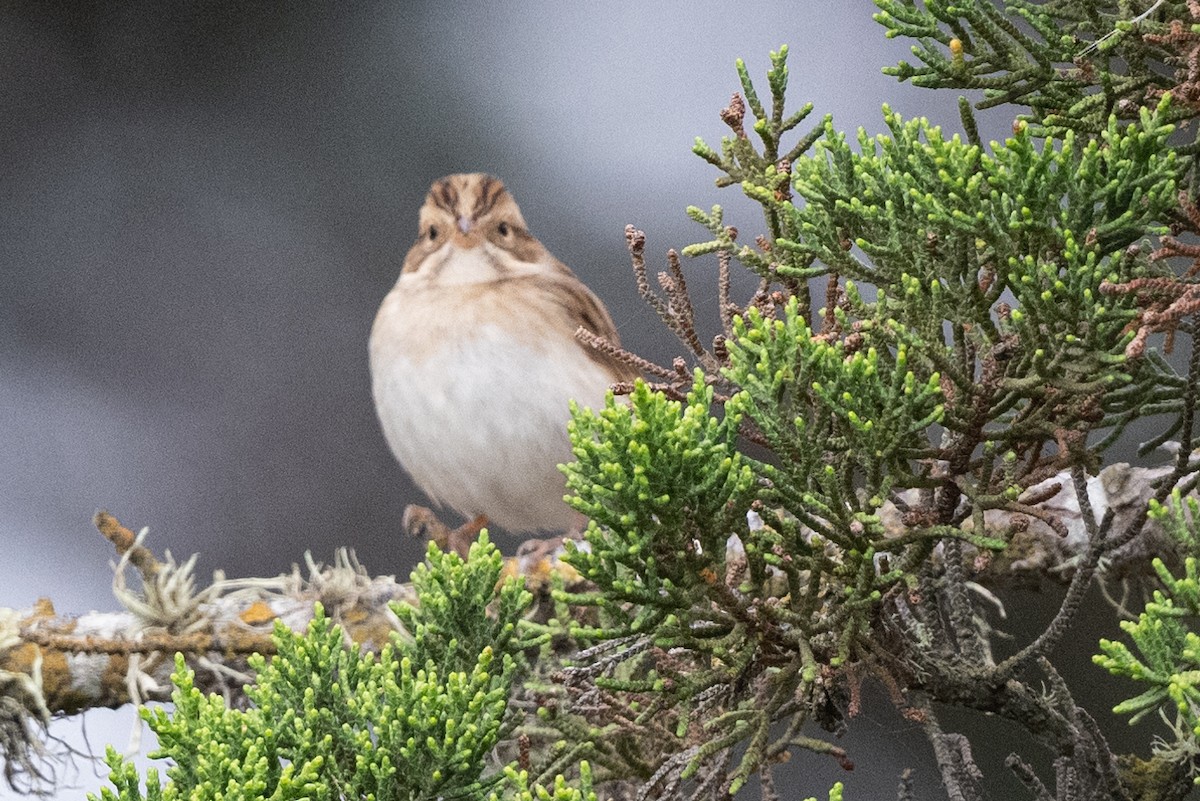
(1180, 38)
(1164, 303)
(675, 308)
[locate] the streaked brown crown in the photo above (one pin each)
(468, 209)
(472, 196)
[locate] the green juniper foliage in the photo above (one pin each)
(329, 721)
(1166, 638)
(1073, 63)
(982, 342)
(679, 480)
(1042, 223)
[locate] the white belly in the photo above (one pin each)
(481, 425)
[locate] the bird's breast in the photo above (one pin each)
(474, 402)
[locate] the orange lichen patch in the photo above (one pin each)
(236, 641)
(511, 569)
(114, 682)
(369, 629)
(540, 562)
(60, 691)
(42, 608)
(20, 659)
(57, 689)
(539, 570)
(55, 673)
(257, 613)
(539, 573)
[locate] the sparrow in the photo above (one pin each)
(474, 360)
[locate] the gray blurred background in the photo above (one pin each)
(203, 204)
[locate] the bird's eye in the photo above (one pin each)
(503, 229)
(433, 233)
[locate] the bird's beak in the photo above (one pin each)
(464, 224)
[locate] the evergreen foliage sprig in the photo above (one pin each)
(1040, 222)
(764, 175)
(672, 477)
(328, 720)
(695, 619)
(1166, 643)
(1073, 63)
(983, 331)
(810, 397)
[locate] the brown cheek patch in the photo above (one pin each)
(524, 247)
(421, 258)
(410, 266)
(412, 262)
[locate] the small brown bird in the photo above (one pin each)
(474, 359)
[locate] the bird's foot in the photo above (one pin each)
(421, 522)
